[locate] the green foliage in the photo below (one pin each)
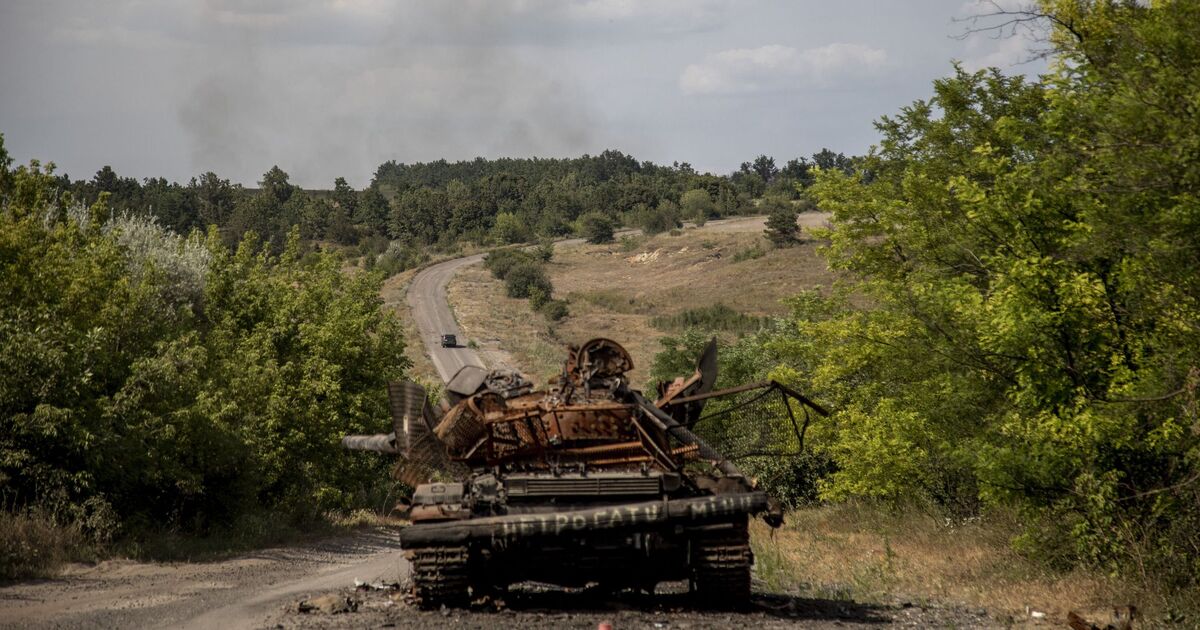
(782, 229)
(501, 261)
(1018, 320)
(525, 279)
(149, 379)
(554, 310)
(750, 253)
(714, 317)
(595, 227)
(697, 206)
(398, 258)
(658, 220)
(510, 229)
(544, 250)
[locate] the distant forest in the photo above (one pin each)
(442, 203)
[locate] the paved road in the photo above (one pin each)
(434, 318)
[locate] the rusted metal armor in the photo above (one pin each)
(585, 481)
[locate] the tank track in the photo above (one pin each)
(721, 561)
(440, 576)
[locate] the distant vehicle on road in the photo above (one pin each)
(449, 341)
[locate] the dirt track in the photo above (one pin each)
(244, 592)
(262, 589)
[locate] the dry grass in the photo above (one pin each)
(32, 545)
(506, 331)
(394, 295)
(869, 553)
(616, 289)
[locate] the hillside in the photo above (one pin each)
(618, 289)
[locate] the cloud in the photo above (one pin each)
(1004, 53)
(774, 67)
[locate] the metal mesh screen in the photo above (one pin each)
(764, 422)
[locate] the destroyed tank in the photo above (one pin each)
(586, 482)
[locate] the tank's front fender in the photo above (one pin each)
(648, 514)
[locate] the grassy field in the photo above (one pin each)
(875, 554)
(617, 290)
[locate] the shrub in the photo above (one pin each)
(523, 279)
(698, 206)
(398, 258)
(538, 298)
(749, 253)
(223, 379)
(555, 310)
(662, 218)
(595, 227)
(714, 317)
(510, 229)
(501, 261)
(782, 229)
(544, 250)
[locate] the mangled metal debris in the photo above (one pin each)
(586, 481)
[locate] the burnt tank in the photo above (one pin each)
(583, 482)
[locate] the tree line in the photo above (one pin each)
(413, 207)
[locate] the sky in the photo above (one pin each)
(329, 88)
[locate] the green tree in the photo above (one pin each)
(595, 228)
(782, 228)
(510, 229)
(697, 205)
(215, 198)
(525, 279)
(373, 212)
(224, 379)
(345, 197)
(1015, 330)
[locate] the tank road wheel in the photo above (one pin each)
(721, 561)
(440, 576)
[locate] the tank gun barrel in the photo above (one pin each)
(379, 443)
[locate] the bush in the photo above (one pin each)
(554, 310)
(698, 206)
(33, 545)
(630, 242)
(510, 229)
(544, 250)
(398, 258)
(662, 218)
(147, 380)
(750, 253)
(595, 227)
(538, 298)
(525, 278)
(501, 261)
(716, 317)
(782, 229)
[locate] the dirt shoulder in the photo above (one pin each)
(242, 592)
(534, 608)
